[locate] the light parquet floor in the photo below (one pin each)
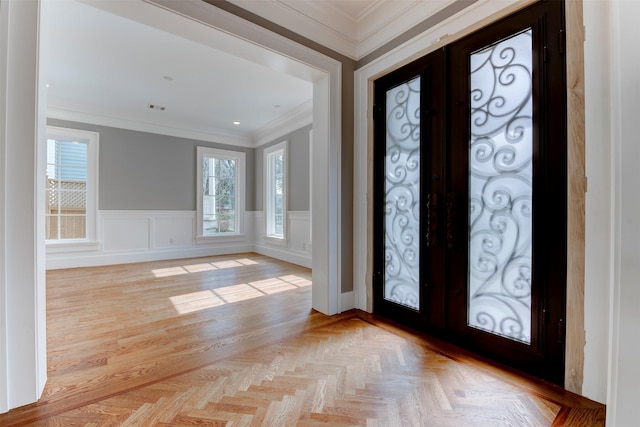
(347, 373)
(228, 341)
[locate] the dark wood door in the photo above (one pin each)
(470, 192)
(409, 128)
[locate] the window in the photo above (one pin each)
(71, 185)
(275, 190)
(221, 176)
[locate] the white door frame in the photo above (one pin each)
(23, 353)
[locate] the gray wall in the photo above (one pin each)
(347, 122)
(298, 167)
(147, 171)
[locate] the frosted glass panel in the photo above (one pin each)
(500, 188)
(402, 195)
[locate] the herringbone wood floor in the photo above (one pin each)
(232, 341)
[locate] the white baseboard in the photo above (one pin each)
(295, 257)
(125, 257)
(347, 301)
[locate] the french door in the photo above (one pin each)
(470, 192)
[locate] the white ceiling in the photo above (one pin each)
(107, 60)
(103, 64)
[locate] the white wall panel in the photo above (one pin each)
(258, 227)
(299, 231)
(136, 236)
(122, 233)
(173, 232)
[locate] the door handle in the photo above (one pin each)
(451, 217)
(431, 233)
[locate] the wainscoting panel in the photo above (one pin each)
(257, 219)
(297, 249)
(173, 232)
(124, 234)
(299, 227)
(137, 236)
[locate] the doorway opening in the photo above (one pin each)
(205, 23)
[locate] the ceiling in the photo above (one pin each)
(354, 28)
(108, 61)
(112, 75)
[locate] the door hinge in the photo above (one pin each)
(545, 55)
(561, 42)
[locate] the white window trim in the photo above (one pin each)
(270, 238)
(240, 158)
(92, 139)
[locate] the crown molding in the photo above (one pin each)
(286, 123)
(373, 5)
(334, 30)
(387, 20)
(208, 135)
(355, 37)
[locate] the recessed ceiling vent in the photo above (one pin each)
(157, 107)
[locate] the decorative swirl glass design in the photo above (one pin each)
(402, 195)
(500, 188)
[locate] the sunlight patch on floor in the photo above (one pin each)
(169, 271)
(247, 261)
(237, 293)
(199, 268)
(210, 298)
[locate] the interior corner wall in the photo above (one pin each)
(147, 206)
(347, 125)
(146, 171)
(298, 170)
